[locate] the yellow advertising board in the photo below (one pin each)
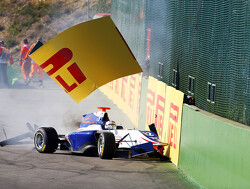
(85, 57)
(155, 104)
(150, 104)
(132, 104)
(164, 108)
(172, 122)
(125, 92)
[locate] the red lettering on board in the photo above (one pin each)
(65, 85)
(123, 87)
(139, 97)
(111, 85)
(172, 125)
(132, 91)
(76, 72)
(150, 114)
(117, 86)
(170, 134)
(58, 60)
(159, 111)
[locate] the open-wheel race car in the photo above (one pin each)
(97, 135)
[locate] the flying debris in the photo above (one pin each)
(17, 139)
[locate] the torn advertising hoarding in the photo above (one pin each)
(85, 57)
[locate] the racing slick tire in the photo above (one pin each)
(46, 140)
(106, 145)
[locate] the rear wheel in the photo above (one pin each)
(106, 145)
(46, 140)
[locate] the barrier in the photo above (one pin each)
(164, 108)
(214, 151)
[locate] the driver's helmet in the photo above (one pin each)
(110, 125)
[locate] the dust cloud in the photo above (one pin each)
(49, 106)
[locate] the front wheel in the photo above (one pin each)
(106, 145)
(46, 140)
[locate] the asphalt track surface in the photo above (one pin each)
(22, 167)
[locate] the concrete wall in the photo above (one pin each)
(213, 152)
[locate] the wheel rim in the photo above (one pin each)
(100, 145)
(39, 141)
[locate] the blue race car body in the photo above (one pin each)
(98, 135)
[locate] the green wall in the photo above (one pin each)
(214, 153)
